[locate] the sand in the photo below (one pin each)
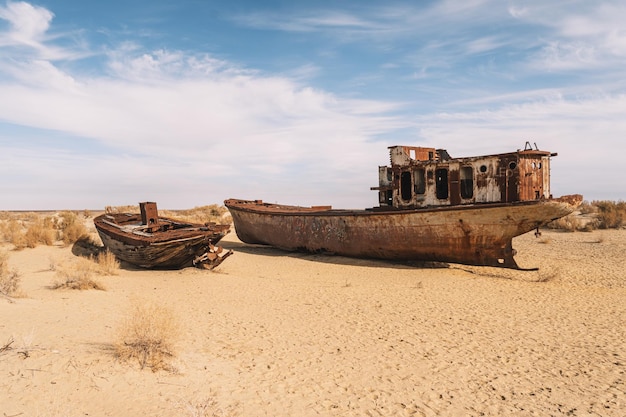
(271, 333)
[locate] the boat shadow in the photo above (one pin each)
(329, 258)
(88, 249)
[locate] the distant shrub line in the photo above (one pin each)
(593, 215)
(28, 230)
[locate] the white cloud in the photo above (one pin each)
(28, 24)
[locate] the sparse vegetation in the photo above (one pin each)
(611, 214)
(148, 334)
(77, 276)
(71, 227)
(10, 279)
(205, 408)
(27, 230)
(202, 214)
(108, 263)
(594, 215)
(12, 233)
(122, 209)
(40, 232)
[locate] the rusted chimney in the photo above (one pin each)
(149, 213)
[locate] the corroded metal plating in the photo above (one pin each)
(432, 207)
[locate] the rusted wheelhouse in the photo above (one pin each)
(429, 177)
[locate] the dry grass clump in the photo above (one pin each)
(207, 407)
(611, 214)
(12, 233)
(27, 230)
(71, 227)
(77, 276)
(574, 223)
(122, 209)
(9, 279)
(203, 214)
(107, 263)
(41, 231)
(594, 215)
(148, 334)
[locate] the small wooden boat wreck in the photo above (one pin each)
(432, 207)
(150, 241)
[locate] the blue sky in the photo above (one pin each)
(188, 103)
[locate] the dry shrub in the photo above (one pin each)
(122, 209)
(104, 261)
(71, 227)
(13, 233)
(611, 214)
(203, 214)
(569, 223)
(148, 334)
(9, 279)
(587, 208)
(107, 263)
(40, 232)
(207, 407)
(77, 276)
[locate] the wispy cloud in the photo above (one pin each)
(28, 24)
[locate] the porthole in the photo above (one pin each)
(483, 168)
(512, 165)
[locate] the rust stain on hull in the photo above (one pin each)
(467, 235)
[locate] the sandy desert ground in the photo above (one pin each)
(271, 333)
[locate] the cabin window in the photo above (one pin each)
(405, 186)
(441, 183)
(419, 181)
(512, 165)
(467, 182)
(483, 168)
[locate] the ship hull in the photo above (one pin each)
(175, 245)
(471, 234)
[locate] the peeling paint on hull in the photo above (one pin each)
(479, 234)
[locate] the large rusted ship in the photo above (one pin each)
(432, 207)
(150, 241)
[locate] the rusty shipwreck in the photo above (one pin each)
(432, 207)
(150, 241)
